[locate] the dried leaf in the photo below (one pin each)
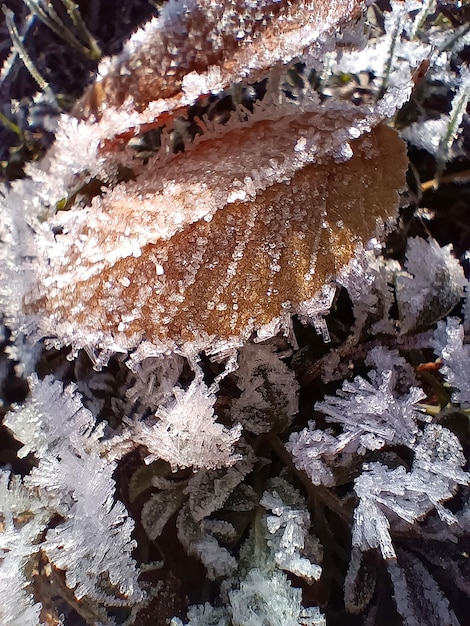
(236, 269)
(197, 47)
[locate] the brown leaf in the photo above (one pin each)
(225, 42)
(237, 268)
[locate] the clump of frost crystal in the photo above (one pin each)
(288, 532)
(186, 433)
(24, 518)
(372, 413)
(74, 480)
(259, 600)
(271, 600)
(387, 495)
(427, 287)
(448, 344)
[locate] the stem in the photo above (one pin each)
(10, 125)
(21, 50)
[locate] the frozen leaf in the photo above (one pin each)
(209, 47)
(159, 509)
(418, 597)
(360, 581)
(432, 286)
(208, 490)
(269, 397)
(199, 542)
(171, 261)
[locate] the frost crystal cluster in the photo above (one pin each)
(234, 350)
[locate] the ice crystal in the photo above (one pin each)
(259, 601)
(385, 493)
(448, 344)
(23, 520)
(204, 615)
(186, 433)
(288, 531)
(372, 413)
(262, 600)
(369, 285)
(390, 58)
(438, 136)
(93, 538)
(156, 375)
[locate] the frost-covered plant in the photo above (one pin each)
(433, 478)
(72, 482)
(372, 414)
(230, 486)
(186, 433)
(448, 344)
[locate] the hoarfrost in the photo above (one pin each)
(368, 280)
(269, 396)
(432, 287)
(186, 433)
(261, 599)
(75, 481)
(266, 599)
(288, 535)
(208, 490)
(372, 414)
(418, 597)
(197, 539)
(23, 520)
(204, 615)
(386, 495)
(448, 344)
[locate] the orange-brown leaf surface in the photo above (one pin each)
(245, 265)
